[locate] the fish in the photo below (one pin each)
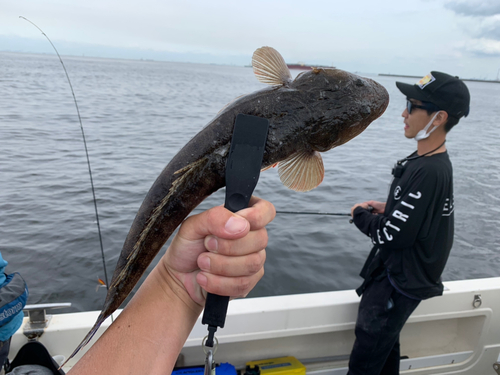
(318, 110)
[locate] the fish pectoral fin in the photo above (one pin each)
(270, 67)
(302, 171)
(269, 167)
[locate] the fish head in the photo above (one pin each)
(321, 109)
(340, 104)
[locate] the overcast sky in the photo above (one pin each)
(460, 37)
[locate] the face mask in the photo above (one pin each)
(422, 134)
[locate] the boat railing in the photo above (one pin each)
(39, 319)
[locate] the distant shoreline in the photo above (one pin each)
(463, 79)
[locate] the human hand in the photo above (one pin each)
(364, 205)
(220, 252)
(378, 207)
(374, 206)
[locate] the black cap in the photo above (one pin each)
(447, 92)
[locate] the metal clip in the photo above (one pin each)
(209, 363)
(209, 359)
(477, 302)
(496, 367)
(206, 348)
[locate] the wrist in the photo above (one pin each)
(174, 289)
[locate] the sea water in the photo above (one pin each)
(138, 114)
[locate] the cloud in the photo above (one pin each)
(483, 47)
(482, 20)
(490, 28)
(484, 8)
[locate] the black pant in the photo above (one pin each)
(382, 313)
(4, 351)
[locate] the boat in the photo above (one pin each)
(457, 333)
(301, 66)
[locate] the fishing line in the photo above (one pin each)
(300, 212)
(86, 151)
(313, 213)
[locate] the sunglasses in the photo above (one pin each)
(425, 105)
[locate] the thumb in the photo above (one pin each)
(217, 221)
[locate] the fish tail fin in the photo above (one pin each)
(87, 338)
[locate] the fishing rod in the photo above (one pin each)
(300, 212)
(86, 151)
(341, 214)
(313, 213)
(370, 209)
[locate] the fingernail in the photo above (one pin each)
(236, 225)
(204, 263)
(202, 279)
(211, 244)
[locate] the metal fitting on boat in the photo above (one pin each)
(38, 319)
(477, 302)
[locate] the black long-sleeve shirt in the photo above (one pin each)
(414, 236)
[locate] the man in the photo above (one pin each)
(412, 232)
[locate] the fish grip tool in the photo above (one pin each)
(243, 167)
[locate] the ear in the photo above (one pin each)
(441, 118)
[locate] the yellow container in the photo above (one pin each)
(279, 366)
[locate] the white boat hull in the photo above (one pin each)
(445, 335)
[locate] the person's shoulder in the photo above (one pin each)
(437, 165)
(438, 161)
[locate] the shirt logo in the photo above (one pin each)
(427, 80)
(449, 207)
(397, 193)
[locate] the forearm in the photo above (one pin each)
(215, 251)
(148, 335)
(387, 232)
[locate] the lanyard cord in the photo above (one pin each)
(409, 157)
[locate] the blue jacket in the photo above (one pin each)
(10, 328)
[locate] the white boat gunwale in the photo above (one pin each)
(445, 335)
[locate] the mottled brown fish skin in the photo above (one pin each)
(319, 110)
(316, 111)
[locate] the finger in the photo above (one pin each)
(228, 266)
(259, 213)
(224, 224)
(217, 221)
(229, 286)
(188, 244)
(377, 206)
(353, 208)
(252, 242)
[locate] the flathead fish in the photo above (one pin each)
(317, 111)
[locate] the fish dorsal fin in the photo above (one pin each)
(269, 67)
(302, 171)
